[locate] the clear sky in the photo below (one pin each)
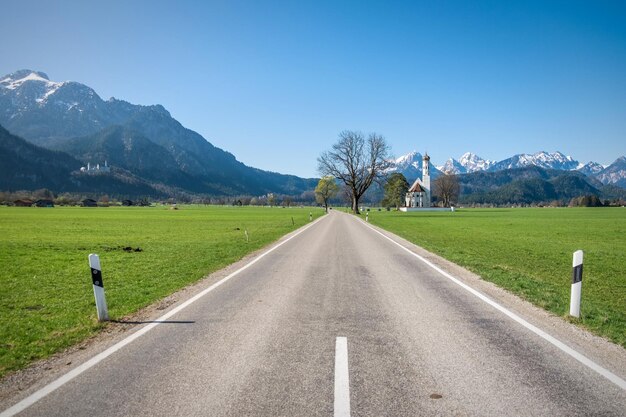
(274, 82)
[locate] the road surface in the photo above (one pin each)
(338, 320)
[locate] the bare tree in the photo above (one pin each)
(356, 161)
(447, 189)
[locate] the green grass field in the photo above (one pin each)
(46, 295)
(529, 252)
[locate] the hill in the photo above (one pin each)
(25, 166)
(72, 117)
(527, 185)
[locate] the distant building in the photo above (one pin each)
(97, 169)
(88, 202)
(23, 203)
(418, 195)
(44, 203)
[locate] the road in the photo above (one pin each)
(338, 320)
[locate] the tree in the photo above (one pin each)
(326, 189)
(586, 201)
(104, 200)
(447, 189)
(43, 193)
(396, 188)
(356, 161)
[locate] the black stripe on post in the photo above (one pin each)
(577, 274)
(96, 278)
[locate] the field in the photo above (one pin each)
(529, 252)
(46, 295)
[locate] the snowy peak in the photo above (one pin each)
(28, 87)
(548, 160)
(551, 158)
(15, 80)
(26, 74)
(468, 162)
(590, 168)
(409, 159)
(452, 166)
(614, 173)
(410, 165)
(29, 91)
(472, 162)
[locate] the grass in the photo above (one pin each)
(46, 295)
(529, 252)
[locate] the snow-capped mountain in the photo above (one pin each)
(473, 162)
(468, 162)
(548, 160)
(39, 87)
(29, 89)
(71, 117)
(410, 165)
(38, 109)
(590, 168)
(452, 166)
(614, 173)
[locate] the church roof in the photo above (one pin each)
(417, 188)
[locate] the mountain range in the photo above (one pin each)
(614, 174)
(145, 141)
(49, 130)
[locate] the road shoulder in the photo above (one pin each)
(21, 384)
(602, 351)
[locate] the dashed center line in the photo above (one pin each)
(342, 378)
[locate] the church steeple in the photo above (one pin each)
(426, 178)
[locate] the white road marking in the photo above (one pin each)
(342, 379)
(41, 393)
(551, 339)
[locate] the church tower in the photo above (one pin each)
(426, 178)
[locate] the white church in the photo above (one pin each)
(418, 198)
(418, 195)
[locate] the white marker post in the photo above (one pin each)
(577, 283)
(310, 216)
(367, 217)
(98, 287)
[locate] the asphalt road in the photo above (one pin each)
(265, 343)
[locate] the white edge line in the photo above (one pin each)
(562, 346)
(64, 379)
(342, 379)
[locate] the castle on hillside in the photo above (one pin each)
(418, 195)
(97, 169)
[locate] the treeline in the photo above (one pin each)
(582, 201)
(534, 186)
(9, 198)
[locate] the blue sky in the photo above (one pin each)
(275, 82)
